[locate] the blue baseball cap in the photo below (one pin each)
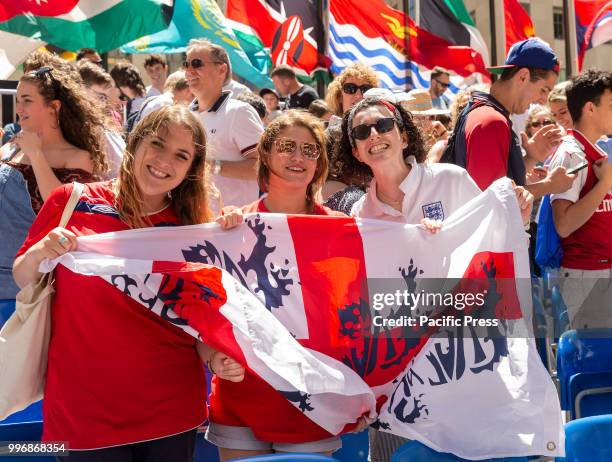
(533, 53)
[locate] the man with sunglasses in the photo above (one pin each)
(232, 127)
(440, 81)
(298, 95)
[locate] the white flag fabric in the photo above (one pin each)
(347, 317)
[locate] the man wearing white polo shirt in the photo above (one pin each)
(233, 128)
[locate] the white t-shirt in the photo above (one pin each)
(570, 154)
(236, 88)
(233, 129)
(430, 191)
(114, 147)
(155, 103)
(152, 91)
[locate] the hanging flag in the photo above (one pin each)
(377, 35)
(203, 19)
(71, 24)
(593, 25)
(289, 30)
(312, 318)
(517, 22)
(450, 20)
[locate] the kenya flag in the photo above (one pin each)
(300, 301)
(289, 30)
(71, 24)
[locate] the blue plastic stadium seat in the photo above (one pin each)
(560, 315)
(355, 448)
(588, 440)
(288, 458)
(413, 451)
(584, 369)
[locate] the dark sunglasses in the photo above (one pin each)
(362, 132)
(541, 123)
(123, 96)
(287, 146)
(197, 63)
(351, 88)
(444, 84)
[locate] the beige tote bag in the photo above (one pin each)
(24, 338)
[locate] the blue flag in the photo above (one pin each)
(203, 19)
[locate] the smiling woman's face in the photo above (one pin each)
(378, 147)
(162, 161)
(33, 111)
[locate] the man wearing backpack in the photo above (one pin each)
(583, 214)
(483, 141)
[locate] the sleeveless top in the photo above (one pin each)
(64, 175)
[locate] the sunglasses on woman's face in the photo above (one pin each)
(541, 123)
(351, 88)
(287, 146)
(383, 125)
(197, 63)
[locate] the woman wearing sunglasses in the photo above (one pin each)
(381, 139)
(342, 188)
(250, 417)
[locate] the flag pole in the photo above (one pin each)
(321, 39)
(493, 33)
(407, 43)
(570, 37)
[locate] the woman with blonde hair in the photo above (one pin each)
(107, 387)
(348, 88)
(291, 169)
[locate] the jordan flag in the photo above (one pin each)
(72, 24)
(290, 30)
(310, 305)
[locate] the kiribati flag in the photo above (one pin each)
(310, 305)
(389, 41)
(593, 25)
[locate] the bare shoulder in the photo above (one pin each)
(79, 158)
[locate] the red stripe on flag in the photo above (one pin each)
(14, 8)
(333, 278)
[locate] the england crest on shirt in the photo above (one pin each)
(433, 211)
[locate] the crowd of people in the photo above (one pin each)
(197, 146)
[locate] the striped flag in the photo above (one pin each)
(305, 314)
(72, 24)
(382, 37)
(593, 25)
(450, 20)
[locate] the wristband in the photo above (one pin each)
(217, 167)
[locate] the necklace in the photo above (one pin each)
(157, 211)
